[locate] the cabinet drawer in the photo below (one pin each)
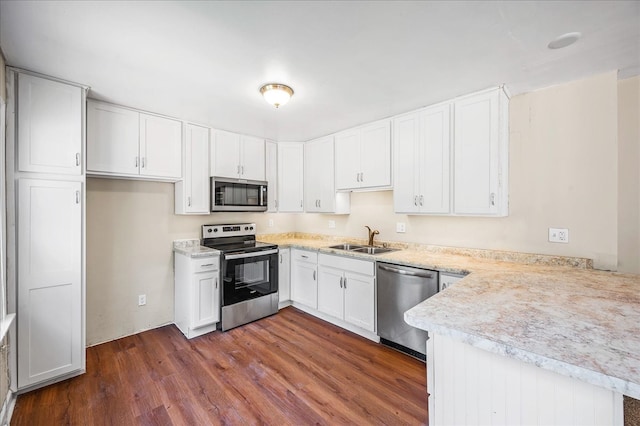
(364, 267)
(304, 256)
(205, 264)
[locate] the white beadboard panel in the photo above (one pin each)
(470, 386)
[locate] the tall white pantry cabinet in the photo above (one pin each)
(46, 226)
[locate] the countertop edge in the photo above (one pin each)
(615, 384)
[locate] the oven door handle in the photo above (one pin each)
(250, 254)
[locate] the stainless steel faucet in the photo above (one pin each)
(372, 234)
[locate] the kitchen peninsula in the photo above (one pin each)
(524, 338)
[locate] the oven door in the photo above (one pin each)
(248, 276)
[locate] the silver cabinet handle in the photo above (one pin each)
(362, 177)
(238, 169)
(216, 282)
(242, 170)
(492, 199)
(304, 256)
(77, 197)
(142, 163)
(189, 201)
(415, 200)
(319, 203)
(280, 255)
(421, 199)
(276, 202)
(300, 203)
(136, 162)
(314, 275)
(344, 282)
(77, 158)
(205, 265)
(341, 282)
(405, 272)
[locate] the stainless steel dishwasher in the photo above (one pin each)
(400, 288)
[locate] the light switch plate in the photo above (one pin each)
(332, 224)
(400, 227)
(558, 235)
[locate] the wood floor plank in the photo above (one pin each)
(287, 369)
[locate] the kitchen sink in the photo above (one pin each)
(362, 249)
(373, 250)
(347, 247)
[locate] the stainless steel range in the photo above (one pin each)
(248, 272)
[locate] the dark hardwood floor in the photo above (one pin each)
(290, 368)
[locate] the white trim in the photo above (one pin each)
(5, 325)
(7, 408)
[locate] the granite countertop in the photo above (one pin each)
(554, 312)
(192, 248)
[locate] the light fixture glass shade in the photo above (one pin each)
(276, 94)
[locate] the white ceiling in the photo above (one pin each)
(348, 62)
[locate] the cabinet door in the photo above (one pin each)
(375, 155)
(252, 166)
(330, 292)
(225, 154)
(476, 155)
(196, 174)
(205, 308)
(360, 300)
(435, 144)
(347, 163)
(406, 142)
(160, 147)
(319, 190)
(290, 177)
(49, 126)
(272, 176)
(284, 275)
(112, 139)
(304, 287)
(50, 315)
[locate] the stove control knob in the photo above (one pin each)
(209, 230)
(251, 228)
(215, 229)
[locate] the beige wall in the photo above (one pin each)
(130, 230)
(563, 173)
(629, 175)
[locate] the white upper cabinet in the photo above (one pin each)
(271, 174)
(160, 147)
(481, 154)
(363, 157)
(290, 176)
(192, 192)
(49, 126)
(319, 189)
(237, 156)
(126, 143)
(422, 155)
(452, 158)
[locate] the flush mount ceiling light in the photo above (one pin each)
(276, 94)
(564, 40)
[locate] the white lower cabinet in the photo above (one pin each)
(304, 277)
(284, 277)
(50, 294)
(346, 290)
(197, 294)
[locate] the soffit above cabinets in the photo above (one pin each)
(349, 62)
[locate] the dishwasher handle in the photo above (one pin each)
(404, 272)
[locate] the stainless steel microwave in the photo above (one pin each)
(238, 195)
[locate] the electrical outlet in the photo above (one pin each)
(332, 224)
(400, 227)
(270, 223)
(142, 299)
(558, 235)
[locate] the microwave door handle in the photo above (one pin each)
(250, 254)
(262, 189)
